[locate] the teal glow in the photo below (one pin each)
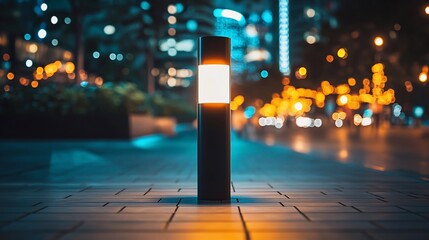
(267, 16)
(264, 73)
(284, 58)
(144, 5)
(27, 36)
(249, 112)
(95, 54)
(254, 18)
(146, 142)
(179, 8)
(84, 84)
(228, 13)
(192, 25)
(367, 113)
(418, 111)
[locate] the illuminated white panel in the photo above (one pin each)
(284, 61)
(213, 83)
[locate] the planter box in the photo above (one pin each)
(82, 126)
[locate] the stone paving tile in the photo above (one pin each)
(4, 209)
(53, 226)
(10, 216)
(380, 209)
(309, 235)
(157, 209)
(278, 209)
(206, 226)
(363, 216)
(417, 209)
(211, 235)
(403, 225)
(150, 217)
(399, 235)
(208, 209)
(209, 217)
(338, 209)
(125, 226)
(25, 235)
(257, 217)
(300, 225)
(80, 210)
(312, 204)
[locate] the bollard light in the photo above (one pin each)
(214, 119)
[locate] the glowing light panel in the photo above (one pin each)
(213, 83)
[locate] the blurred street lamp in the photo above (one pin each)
(214, 170)
(342, 53)
(427, 10)
(378, 41)
(423, 77)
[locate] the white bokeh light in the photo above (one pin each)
(42, 33)
(54, 20)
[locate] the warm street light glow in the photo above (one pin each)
(172, 20)
(427, 10)
(351, 81)
(34, 84)
(302, 71)
(378, 41)
(342, 53)
(213, 83)
(342, 100)
(423, 77)
(172, 9)
(32, 48)
(310, 13)
(298, 106)
(311, 39)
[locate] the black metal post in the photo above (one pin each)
(214, 171)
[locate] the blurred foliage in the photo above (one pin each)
(122, 98)
(170, 105)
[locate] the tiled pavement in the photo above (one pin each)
(145, 189)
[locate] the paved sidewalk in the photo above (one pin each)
(146, 189)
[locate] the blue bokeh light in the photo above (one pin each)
(84, 84)
(418, 111)
(145, 5)
(367, 113)
(249, 112)
(267, 16)
(95, 54)
(264, 73)
(192, 25)
(179, 7)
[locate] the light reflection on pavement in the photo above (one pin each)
(384, 149)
